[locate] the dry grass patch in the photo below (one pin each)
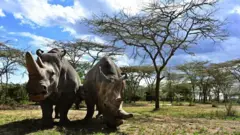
(167, 120)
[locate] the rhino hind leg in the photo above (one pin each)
(47, 110)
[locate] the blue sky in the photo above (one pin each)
(33, 23)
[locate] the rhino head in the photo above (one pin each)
(43, 76)
(110, 99)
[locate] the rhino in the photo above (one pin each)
(103, 86)
(52, 81)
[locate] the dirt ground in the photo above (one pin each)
(27, 121)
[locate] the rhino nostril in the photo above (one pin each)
(44, 92)
(44, 88)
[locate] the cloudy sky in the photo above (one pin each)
(33, 23)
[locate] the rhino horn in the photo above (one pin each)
(32, 66)
(124, 76)
(119, 99)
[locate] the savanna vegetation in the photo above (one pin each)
(197, 97)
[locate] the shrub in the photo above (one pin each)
(13, 94)
(214, 104)
(229, 109)
(191, 104)
(177, 104)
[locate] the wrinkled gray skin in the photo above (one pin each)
(52, 81)
(103, 86)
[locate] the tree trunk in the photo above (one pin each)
(193, 94)
(157, 91)
(204, 95)
(218, 97)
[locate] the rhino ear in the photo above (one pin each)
(63, 53)
(124, 76)
(40, 63)
(104, 76)
(39, 52)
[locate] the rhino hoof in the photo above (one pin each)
(47, 124)
(64, 122)
(99, 116)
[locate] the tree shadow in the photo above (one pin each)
(75, 127)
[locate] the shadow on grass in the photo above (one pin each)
(75, 127)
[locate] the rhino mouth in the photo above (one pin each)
(36, 97)
(113, 124)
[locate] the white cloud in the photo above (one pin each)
(2, 28)
(236, 9)
(227, 50)
(37, 41)
(1, 13)
(92, 38)
(41, 13)
(130, 6)
(70, 30)
(124, 60)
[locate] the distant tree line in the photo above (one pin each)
(196, 81)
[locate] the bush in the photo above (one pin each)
(217, 114)
(191, 104)
(177, 104)
(229, 109)
(13, 94)
(214, 104)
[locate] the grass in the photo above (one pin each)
(198, 119)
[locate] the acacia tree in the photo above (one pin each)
(160, 29)
(94, 51)
(9, 59)
(204, 82)
(191, 70)
(226, 74)
(223, 80)
(232, 66)
(136, 75)
(172, 79)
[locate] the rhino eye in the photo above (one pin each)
(52, 73)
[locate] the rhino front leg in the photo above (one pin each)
(47, 110)
(99, 115)
(65, 104)
(90, 109)
(57, 112)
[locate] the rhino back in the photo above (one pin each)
(69, 80)
(93, 77)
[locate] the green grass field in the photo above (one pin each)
(198, 119)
